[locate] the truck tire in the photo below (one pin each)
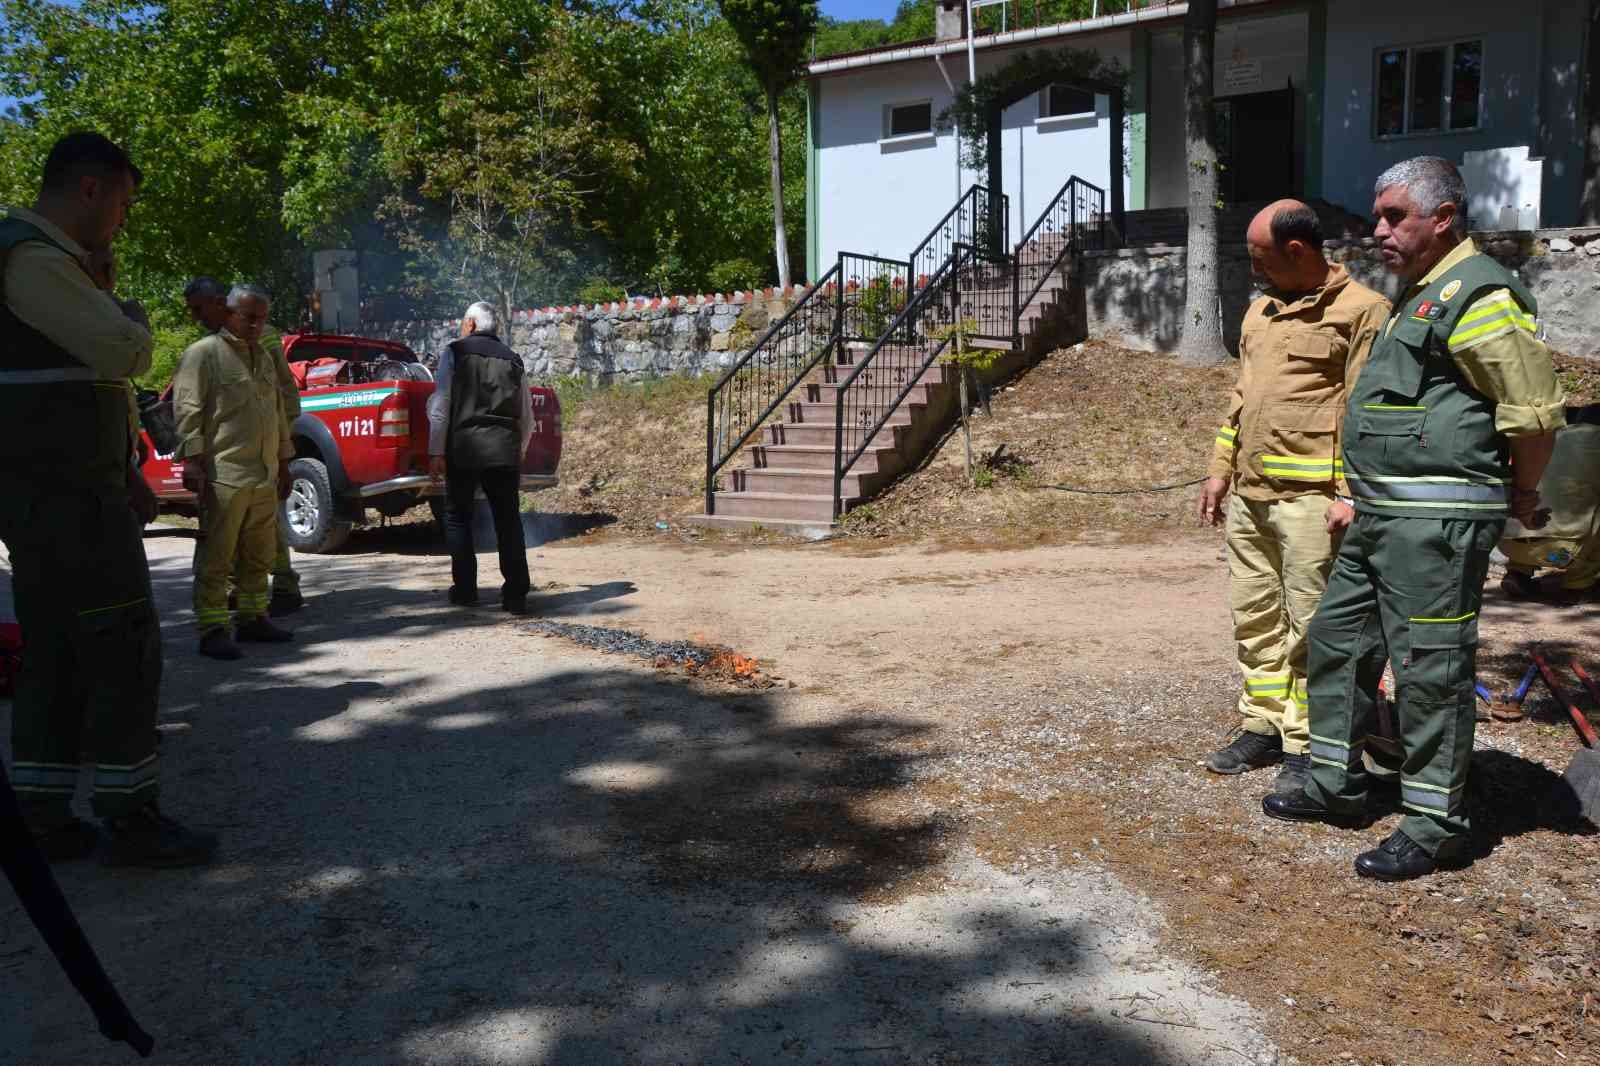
(309, 511)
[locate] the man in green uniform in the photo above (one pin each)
(74, 506)
(1447, 433)
(207, 301)
(234, 445)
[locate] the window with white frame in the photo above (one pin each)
(1434, 88)
(910, 119)
(1065, 101)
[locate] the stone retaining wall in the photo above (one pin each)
(1135, 295)
(621, 341)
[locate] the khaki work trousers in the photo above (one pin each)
(284, 579)
(235, 522)
(1279, 555)
(1577, 560)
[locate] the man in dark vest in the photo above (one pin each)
(74, 505)
(1448, 431)
(480, 419)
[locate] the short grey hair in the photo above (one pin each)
(1430, 181)
(483, 317)
(245, 291)
(205, 287)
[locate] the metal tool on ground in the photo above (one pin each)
(1583, 772)
(1508, 708)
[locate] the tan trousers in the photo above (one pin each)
(234, 522)
(1279, 555)
(284, 579)
(1578, 561)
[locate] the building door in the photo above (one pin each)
(1255, 136)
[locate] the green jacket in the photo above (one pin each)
(1420, 440)
(58, 420)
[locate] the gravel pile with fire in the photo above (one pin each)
(701, 660)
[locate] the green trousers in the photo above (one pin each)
(91, 669)
(1406, 590)
(284, 579)
(236, 530)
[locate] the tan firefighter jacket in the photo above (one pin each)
(1281, 437)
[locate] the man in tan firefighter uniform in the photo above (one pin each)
(74, 504)
(1278, 453)
(235, 449)
(207, 301)
(1448, 431)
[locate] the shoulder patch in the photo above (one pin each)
(1428, 311)
(1450, 290)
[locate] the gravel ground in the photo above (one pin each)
(449, 841)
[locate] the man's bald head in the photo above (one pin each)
(1285, 242)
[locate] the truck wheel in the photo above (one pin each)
(309, 510)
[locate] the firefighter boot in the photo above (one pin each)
(1249, 751)
(216, 644)
(260, 631)
(1399, 858)
(146, 837)
(1292, 777)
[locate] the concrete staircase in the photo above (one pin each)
(787, 482)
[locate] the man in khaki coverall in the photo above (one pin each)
(235, 450)
(207, 302)
(1278, 450)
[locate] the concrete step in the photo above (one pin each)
(824, 413)
(805, 528)
(822, 435)
(769, 505)
(801, 482)
(877, 459)
(828, 393)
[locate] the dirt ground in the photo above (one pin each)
(965, 823)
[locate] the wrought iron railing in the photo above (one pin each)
(742, 400)
(869, 397)
(1074, 221)
(874, 294)
(969, 222)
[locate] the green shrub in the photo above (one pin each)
(598, 290)
(170, 343)
(732, 275)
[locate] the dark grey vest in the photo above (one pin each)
(485, 403)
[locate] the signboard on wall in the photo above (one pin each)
(1241, 75)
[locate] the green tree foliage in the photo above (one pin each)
(914, 21)
(623, 140)
(775, 35)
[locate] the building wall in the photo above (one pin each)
(1277, 43)
(1529, 51)
(881, 198)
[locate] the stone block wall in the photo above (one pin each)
(623, 341)
(1135, 295)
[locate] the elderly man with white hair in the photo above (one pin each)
(480, 419)
(228, 396)
(1447, 432)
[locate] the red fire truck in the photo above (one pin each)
(361, 440)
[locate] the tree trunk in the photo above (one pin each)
(775, 145)
(1589, 208)
(1201, 343)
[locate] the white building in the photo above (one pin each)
(1316, 97)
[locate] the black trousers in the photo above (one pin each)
(500, 485)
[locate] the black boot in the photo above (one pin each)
(1249, 751)
(76, 839)
(1296, 806)
(149, 838)
(284, 602)
(216, 644)
(1399, 858)
(261, 631)
(1296, 770)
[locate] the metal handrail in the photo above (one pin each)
(829, 282)
(949, 272)
(948, 215)
(1074, 192)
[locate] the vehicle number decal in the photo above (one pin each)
(358, 427)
